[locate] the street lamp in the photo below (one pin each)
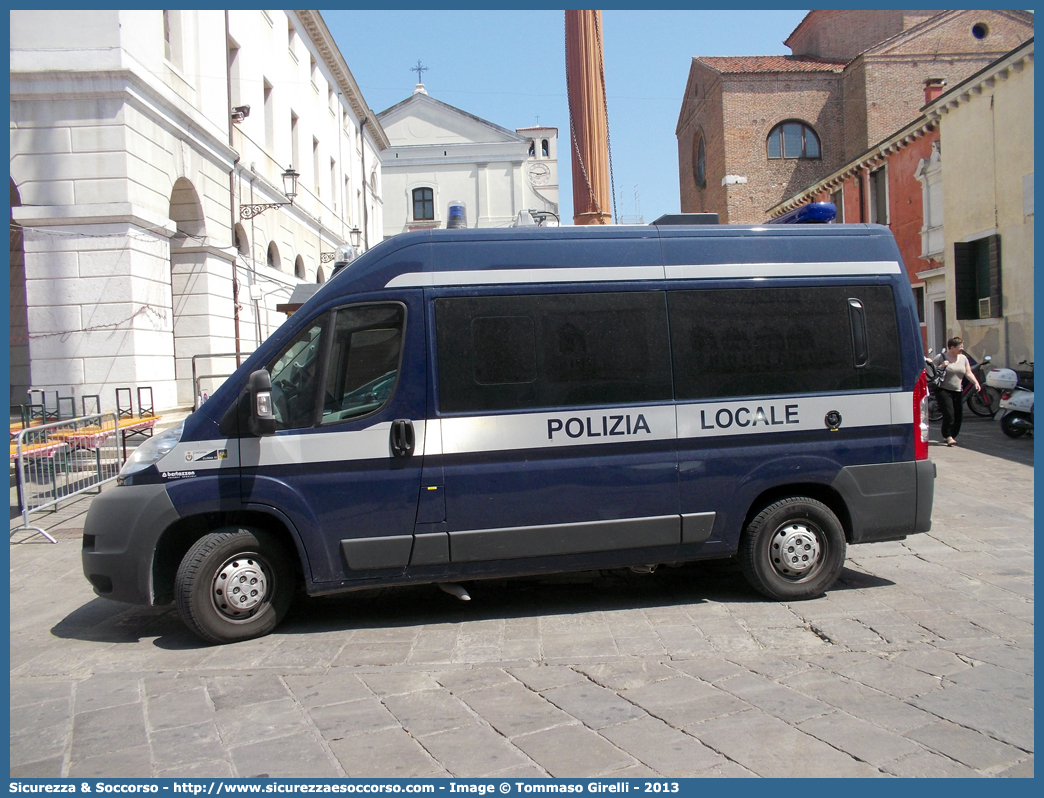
(346, 254)
(289, 188)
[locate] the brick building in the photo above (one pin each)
(753, 130)
(955, 186)
(890, 184)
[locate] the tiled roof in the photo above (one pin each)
(771, 63)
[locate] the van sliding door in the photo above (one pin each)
(558, 426)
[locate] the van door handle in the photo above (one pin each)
(402, 437)
(857, 319)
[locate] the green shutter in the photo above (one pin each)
(994, 259)
(967, 304)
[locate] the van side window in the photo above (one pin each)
(364, 360)
(295, 374)
(506, 350)
(552, 350)
(777, 341)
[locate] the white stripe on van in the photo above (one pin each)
(549, 429)
(553, 429)
(717, 271)
(794, 414)
(708, 271)
(372, 443)
(312, 446)
(505, 276)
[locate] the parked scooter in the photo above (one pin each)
(1016, 401)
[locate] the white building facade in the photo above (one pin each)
(439, 155)
(134, 163)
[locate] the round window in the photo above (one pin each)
(980, 30)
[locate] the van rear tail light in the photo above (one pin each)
(920, 414)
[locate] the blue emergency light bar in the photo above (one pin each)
(813, 213)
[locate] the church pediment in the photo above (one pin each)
(422, 120)
(959, 32)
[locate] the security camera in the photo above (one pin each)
(240, 112)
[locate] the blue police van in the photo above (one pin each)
(464, 404)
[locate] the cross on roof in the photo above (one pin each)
(419, 69)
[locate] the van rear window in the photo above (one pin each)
(777, 341)
(552, 350)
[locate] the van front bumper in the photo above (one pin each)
(119, 540)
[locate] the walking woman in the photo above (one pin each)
(958, 369)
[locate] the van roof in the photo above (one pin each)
(617, 253)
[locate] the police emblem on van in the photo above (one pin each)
(207, 454)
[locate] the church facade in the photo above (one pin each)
(440, 155)
(754, 130)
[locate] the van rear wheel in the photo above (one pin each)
(234, 584)
(793, 549)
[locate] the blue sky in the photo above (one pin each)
(509, 67)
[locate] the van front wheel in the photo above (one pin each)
(234, 584)
(793, 549)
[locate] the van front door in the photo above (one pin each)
(344, 465)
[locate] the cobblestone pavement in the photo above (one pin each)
(919, 663)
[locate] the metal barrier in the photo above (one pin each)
(198, 378)
(57, 461)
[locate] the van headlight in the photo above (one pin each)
(152, 450)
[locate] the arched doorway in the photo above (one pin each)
(190, 285)
(21, 375)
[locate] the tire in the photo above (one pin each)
(1008, 428)
(797, 522)
(934, 410)
(984, 404)
(253, 558)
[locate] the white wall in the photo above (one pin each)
(462, 158)
(127, 278)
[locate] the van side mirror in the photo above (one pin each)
(262, 415)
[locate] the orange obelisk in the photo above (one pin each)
(588, 124)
